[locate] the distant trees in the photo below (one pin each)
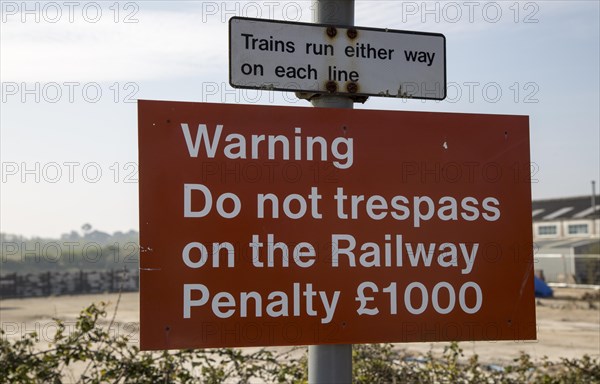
(88, 250)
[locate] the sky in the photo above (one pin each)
(71, 73)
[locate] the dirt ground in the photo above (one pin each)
(568, 324)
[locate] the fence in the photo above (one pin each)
(553, 268)
(570, 269)
(21, 285)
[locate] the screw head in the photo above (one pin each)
(352, 87)
(331, 86)
(331, 31)
(352, 33)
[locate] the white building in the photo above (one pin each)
(566, 235)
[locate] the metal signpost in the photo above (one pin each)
(331, 363)
(328, 226)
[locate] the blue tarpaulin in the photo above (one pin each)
(541, 288)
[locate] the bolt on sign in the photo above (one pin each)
(287, 56)
(264, 226)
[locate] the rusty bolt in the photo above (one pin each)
(352, 33)
(352, 87)
(331, 31)
(331, 86)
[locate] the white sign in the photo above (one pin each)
(285, 56)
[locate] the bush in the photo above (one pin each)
(101, 358)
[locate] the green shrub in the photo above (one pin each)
(103, 358)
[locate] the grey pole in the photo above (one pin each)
(593, 195)
(331, 364)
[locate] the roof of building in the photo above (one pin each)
(560, 246)
(579, 207)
